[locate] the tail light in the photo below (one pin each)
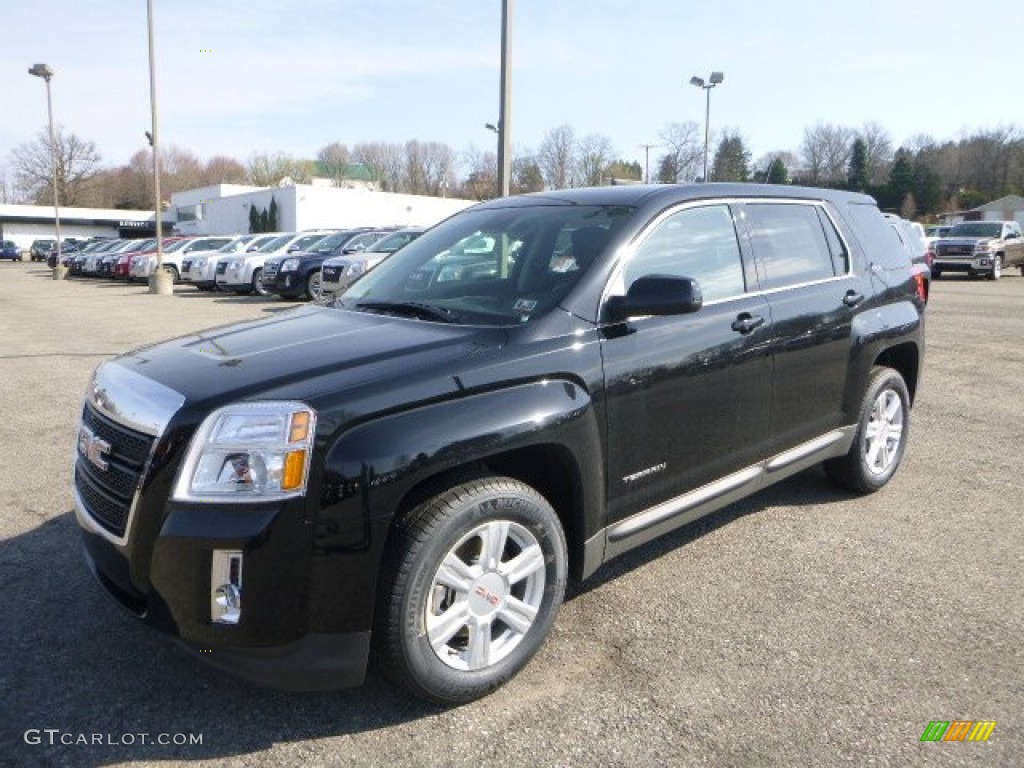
(921, 284)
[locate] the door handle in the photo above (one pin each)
(746, 322)
(852, 298)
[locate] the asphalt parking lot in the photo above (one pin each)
(801, 627)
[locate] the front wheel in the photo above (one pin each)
(472, 586)
(881, 438)
(997, 268)
(257, 283)
(313, 285)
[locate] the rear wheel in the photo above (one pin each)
(881, 437)
(936, 273)
(175, 277)
(474, 583)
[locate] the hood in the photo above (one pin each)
(308, 352)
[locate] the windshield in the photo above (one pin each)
(331, 242)
(304, 243)
(492, 267)
(394, 241)
(977, 229)
(177, 245)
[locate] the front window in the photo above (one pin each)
(977, 229)
(492, 266)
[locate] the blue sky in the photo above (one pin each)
(239, 76)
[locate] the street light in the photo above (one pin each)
(45, 72)
(505, 102)
(715, 79)
(160, 282)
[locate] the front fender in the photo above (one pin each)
(371, 468)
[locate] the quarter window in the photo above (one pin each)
(695, 242)
(789, 244)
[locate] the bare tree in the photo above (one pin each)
(221, 169)
(826, 153)
(685, 152)
(556, 157)
(334, 160)
(385, 163)
(526, 175)
(77, 164)
(594, 153)
(879, 151)
(267, 170)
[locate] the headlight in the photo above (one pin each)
(290, 265)
(249, 452)
(355, 269)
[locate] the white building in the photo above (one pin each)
(25, 223)
(225, 208)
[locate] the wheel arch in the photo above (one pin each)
(904, 358)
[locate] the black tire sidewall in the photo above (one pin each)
(882, 379)
(497, 500)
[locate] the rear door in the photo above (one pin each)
(687, 395)
(805, 274)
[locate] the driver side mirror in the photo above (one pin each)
(656, 295)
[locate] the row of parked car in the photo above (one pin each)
(299, 265)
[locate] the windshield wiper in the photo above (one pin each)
(412, 308)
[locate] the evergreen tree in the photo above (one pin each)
(254, 220)
(272, 216)
(264, 221)
(857, 177)
(732, 160)
(777, 172)
(901, 180)
(668, 170)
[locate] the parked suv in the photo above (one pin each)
(10, 250)
(40, 249)
(980, 248)
(532, 388)
(338, 272)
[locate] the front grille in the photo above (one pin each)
(186, 265)
(331, 274)
(270, 270)
(954, 250)
(222, 267)
(108, 493)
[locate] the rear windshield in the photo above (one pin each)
(881, 244)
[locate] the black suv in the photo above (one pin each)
(533, 387)
(297, 275)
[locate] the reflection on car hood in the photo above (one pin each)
(302, 352)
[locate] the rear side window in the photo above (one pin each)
(790, 244)
(880, 242)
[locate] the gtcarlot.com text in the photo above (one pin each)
(55, 736)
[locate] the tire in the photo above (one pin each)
(936, 274)
(313, 285)
(997, 267)
(257, 284)
(437, 592)
(175, 277)
(881, 439)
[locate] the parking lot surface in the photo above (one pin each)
(803, 626)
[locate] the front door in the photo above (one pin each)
(687, 396)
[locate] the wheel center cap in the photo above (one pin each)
(487, 594)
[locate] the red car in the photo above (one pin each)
(121, 268)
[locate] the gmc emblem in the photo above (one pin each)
(94, 448)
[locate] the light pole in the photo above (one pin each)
(647, 160)
(160, 282)
(715, 79)
(45, 72)
(505, 107)
(496, 129)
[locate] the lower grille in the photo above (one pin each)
(108, 493)
(270, 270)
(222, 268)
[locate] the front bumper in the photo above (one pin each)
(972, 265)
(289, 284)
